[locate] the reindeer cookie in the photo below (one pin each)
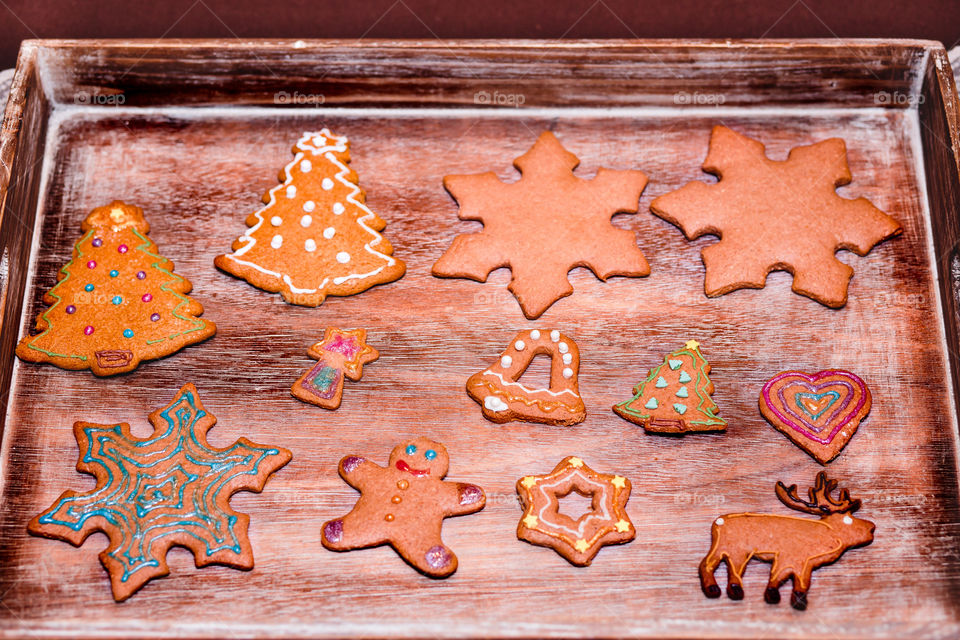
(504, 398)
(795, 546)
(404, 505)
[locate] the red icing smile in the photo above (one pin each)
(403, 466)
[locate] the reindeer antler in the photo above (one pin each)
(821, 503)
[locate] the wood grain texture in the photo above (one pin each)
(198, 172)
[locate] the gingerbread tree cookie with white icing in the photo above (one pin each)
(315, 237)
(503, 398)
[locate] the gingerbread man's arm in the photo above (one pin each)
(460, 498)
(355, 471)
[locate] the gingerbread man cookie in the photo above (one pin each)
(504, 398)
(576, 540)
(404, 505)
(341, 354)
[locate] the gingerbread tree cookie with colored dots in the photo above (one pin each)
(776, 215)
(404, 505)
(576, 539)
(315, 237)
(117, 303)
(544, 224)
(170, 489)
(675, 397)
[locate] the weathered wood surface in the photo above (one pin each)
(197, 173)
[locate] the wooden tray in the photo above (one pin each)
(194, 132)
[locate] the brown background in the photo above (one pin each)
(19, 19)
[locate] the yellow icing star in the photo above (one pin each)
(581, 545)
(576, 462)
(692, 344)
(528, 481)
(623, 525)
(530, 521)
(618, 481)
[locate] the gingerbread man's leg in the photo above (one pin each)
(350, 532)
(427, 554)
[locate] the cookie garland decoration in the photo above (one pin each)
(169, 489)
(578, 540)
(117, 302)
(404, 505)
(341, 354)
(675, 396)
(818, 412)
(315, 237)
(503, 398)
(544, 224)
(795, 546)
(776, 215)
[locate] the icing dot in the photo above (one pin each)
(388, 517)
(519, 345)
(276, 241)
(567, 372)
(305, 166)
(122, 248)
(506, 361)
(88, 330)
(567, 358)
(88, 288)
(329, 232)
(563, 347)
(309, 206)
(338, 208)
(291, 191)
(141, 275)
(305, 221)
(116, 300)
(719, 521)
(535, 334)
(327, 184)
(92, 264)
(847, 520)
(154, 317)
(429, 454)
(343, 257)
(396, 499)
(310, 245)
(71, 309)
(128, 333)
(97, 242)
(114, 273)
(146, 297)
(276, 221)
(411, 449)
(554, 335)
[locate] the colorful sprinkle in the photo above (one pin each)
(141, 275)
(88, 329)
(122, 248)
(88, 288)
(97, 242)
(71, 309)
(128, 333)
(92, 264)
(155, 317)
(114, 273)
(146, 297)
(116, 300)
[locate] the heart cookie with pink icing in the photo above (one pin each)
(819, 412)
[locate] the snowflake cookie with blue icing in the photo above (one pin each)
(170, 489)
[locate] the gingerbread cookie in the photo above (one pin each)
(504, 398)
(404, 505)
(171, 489)
(577, 540)
(117, 302)
(340, 354)
(819, 412)
(795, 546)
(776, 215)
(544, 224)
(675, 397)
(315, 237)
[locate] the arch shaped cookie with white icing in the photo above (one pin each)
(504, 398)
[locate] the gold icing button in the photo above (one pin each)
(530, 521)
(528, 481)
(618, 482)
(402, 484)
(388, 517)
(396, 499)
(576, 462)
(622, 526)
(581, 545)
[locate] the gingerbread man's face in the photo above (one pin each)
(421, 458)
